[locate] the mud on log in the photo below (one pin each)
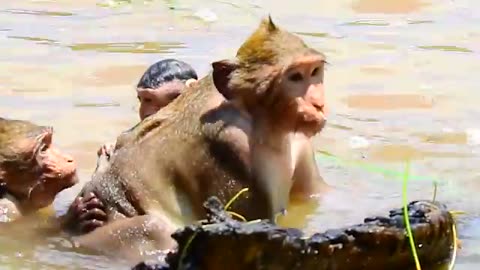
(377, 243)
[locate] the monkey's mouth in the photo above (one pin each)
(69, 179)
(62, 179)
(44, 191)
(311, 128)
(311, 120)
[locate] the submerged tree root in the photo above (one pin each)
(379, 243)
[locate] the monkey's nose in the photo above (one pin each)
(70, 162)
(69, 159)
(319, 107)
(315, 96)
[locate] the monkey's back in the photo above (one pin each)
(192, 147)
(175, 159)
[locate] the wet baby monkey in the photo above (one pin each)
(32, 170)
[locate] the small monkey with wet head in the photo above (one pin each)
(161, 83)
(32, 170)
(247, 124)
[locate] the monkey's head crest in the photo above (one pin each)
(258, 47)
(267, 44)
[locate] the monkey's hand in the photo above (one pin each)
(86, 214)
(106, 150)
(104, 154)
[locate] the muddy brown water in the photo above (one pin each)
(402, 85)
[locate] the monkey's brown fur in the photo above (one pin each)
(208, 141)
(32, 171)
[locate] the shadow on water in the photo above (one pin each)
(367, 22)
(111, 47)
(420, 22)
(129, 47)
(37, 40)
(311, 34)
(37, 12)
(446, 48)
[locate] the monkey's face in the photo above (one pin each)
(299, 95)
(152, 100)
(291, 97)
(277, 78)
(42, 171)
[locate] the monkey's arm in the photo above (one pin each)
(128, 237)
(307, 180)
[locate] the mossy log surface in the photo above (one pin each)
(378, 243)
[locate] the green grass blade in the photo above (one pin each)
(407, 218)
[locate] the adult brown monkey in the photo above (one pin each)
(32, 170)
(248, 124)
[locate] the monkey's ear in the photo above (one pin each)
(222, 71)
(190, 82)
(46, 135)
(271, 25)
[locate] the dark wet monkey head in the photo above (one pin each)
(161, 83)
(32, 170)
(276, 76)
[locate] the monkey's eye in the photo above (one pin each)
(315, 71)
(295, 77)
(43, 147)
(147, 100)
